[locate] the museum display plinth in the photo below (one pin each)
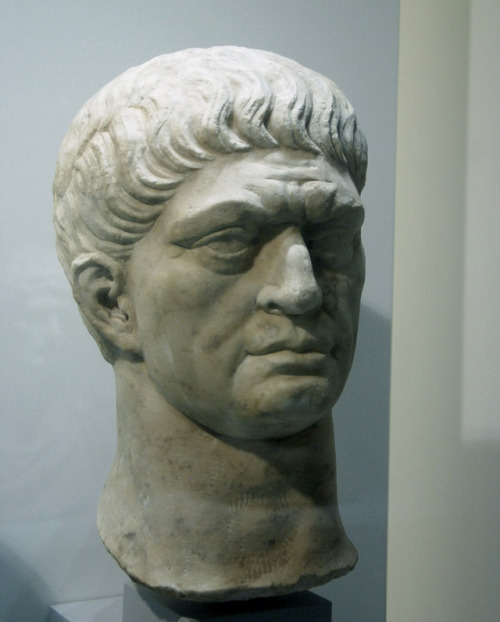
(141, 604)
(99, 610)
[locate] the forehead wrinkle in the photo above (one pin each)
(272, 195)
(317, 198)
(302, 200)
(267, 189)
(322, 199)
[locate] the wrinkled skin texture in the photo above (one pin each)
(246, 292)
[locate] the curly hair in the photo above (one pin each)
(136, 140)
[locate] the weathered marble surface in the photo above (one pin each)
(208, 215)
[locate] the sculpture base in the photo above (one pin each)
(99, 610)
(141, 603)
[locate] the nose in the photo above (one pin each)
(292, 288)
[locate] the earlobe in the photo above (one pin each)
(99, 289)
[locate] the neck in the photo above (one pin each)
(206, 517)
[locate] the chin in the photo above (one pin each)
(288, 406)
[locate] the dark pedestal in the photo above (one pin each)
(140, 603)
(143, 605)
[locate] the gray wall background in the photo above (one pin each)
(57, 395)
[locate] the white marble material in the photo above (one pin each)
(208, 213)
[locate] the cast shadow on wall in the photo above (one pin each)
(24, 595)
(361, 419)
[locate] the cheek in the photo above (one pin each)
(177, 287)
(343, 289)
(191, 311)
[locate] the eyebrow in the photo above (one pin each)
(214, 216)
(251, 209)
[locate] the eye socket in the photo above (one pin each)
(226, 251)
(333, 248)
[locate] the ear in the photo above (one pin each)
(99, 289)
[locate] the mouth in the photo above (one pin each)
(309, 357)
(306, 347)
(296, 363)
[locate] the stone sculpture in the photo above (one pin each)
(208, 215)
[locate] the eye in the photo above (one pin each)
(333, 248)
(229, 242)
(228, 251)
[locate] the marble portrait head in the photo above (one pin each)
(208, 216)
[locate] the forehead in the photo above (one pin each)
(265, 185)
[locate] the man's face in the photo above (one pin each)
(246, 292)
